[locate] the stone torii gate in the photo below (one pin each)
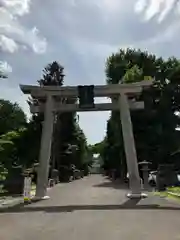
(49, 101)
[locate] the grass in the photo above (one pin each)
(174, 189)
(161, 194)
(2, 178)
(33, 189)
(1, 189)
(167, 195)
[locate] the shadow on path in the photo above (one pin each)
(113, 184)
(128, 205)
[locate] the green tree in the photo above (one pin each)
(97, 148)
(17, 139)
(66, 129)
(134, 74)
(82, 160)
(9, 148)
(157, 120)
(6, 148)
(12, 116)
(53, 74)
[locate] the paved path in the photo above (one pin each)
(92, 208)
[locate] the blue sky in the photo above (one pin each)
(80, 34)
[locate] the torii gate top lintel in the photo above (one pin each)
(99, 90)
(112, 90)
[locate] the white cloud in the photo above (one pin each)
(140, 6)
(168, 6)
(177, 10)
(154, 7)
(16, 7)
(81, 34)
(5, 67)
(163, 15)
(38, 46)
(165, 36)
(8, 44)
(109, 6)
(12, 28)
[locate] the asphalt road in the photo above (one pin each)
(92, 208)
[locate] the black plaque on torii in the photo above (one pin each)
(86, 96)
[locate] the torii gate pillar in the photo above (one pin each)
(45, 151)
(130, 149)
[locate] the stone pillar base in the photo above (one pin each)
(136, 195)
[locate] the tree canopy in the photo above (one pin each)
(12, 116)
(66, 128)
(155, 125)
(20, 140)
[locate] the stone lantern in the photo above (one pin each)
(145, 172)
